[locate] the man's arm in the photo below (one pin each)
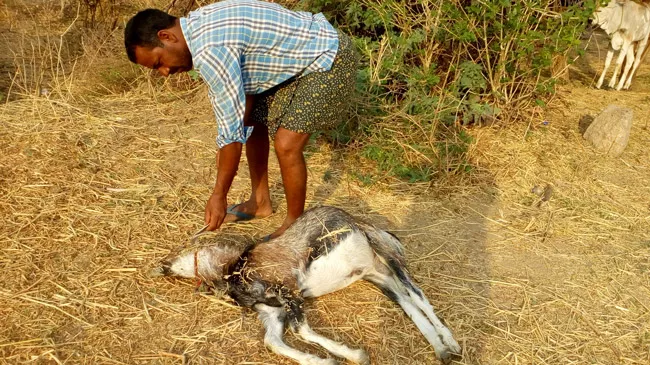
(221, 70)
(227, 164)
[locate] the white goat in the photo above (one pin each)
(325, 250)
(627, 24)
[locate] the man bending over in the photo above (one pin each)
(272, 74)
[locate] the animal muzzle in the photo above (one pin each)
(163, 269)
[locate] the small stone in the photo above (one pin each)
(537, 190)
(610, 130)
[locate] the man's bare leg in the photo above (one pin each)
(289, 147)
(257, 155)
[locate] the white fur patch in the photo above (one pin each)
(348, 262)
(183, 266)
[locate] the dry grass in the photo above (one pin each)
(94, 190)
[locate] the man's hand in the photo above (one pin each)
(227, 164)
(215, 211)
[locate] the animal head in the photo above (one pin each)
(180, 263)
(609, 17)
(206, 262)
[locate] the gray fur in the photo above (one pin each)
(325, 250)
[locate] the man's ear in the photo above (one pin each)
(167, 35)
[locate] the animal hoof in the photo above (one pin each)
(445, 356)
(360, 357)
(448, 355)
(454, 347)
(448, 339)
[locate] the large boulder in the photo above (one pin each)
(610, 130)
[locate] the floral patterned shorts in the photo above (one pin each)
(315, 102)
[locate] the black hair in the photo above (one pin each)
(142, 30)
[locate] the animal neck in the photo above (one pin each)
(212, 263)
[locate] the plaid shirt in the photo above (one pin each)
(242, 47)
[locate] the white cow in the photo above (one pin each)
(627, 24)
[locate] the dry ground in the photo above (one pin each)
(93, 191)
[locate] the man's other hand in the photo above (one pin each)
(215, 211)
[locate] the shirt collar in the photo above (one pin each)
(186, 28)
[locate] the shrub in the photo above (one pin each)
(432, 67)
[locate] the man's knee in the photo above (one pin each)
(288, 143)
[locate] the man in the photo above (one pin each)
(271, 72)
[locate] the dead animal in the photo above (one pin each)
(325, 250)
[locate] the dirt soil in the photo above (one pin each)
(93, 192)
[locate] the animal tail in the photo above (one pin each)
(392, 277)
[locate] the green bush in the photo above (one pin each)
(432, 67)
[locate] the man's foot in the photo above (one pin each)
(246, 211)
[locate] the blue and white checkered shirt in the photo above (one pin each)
(242, 47)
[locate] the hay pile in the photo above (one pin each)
(92, 196)
(95, 189)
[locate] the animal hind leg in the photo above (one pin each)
(423, 303)
(641, 49)
(396, 291)
(397, 275)
(273, 319)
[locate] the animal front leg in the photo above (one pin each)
(619, 62)
(608, 61)
(355, 355)
(273, 319)
(629, 61)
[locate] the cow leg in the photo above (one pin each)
(608, 61)
(640, 49)
(629, 61)
(619, 62)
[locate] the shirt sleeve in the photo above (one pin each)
(220, 68)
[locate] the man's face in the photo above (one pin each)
(172, 57)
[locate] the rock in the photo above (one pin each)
(537, 190)
(544, 194)
(610, 130)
